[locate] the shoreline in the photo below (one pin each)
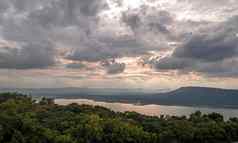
(139, 103)
(150, 109)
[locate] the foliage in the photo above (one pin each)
(23, 120)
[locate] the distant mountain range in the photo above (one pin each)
(200, 96)
(185, 96)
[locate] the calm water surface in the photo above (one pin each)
(152, 110)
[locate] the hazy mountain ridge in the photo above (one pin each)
(202, 96)
(184, 96)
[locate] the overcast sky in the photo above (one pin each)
(149, 44)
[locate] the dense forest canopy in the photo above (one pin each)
(23, 120)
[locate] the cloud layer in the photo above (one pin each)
(100, 38)
(213, 50)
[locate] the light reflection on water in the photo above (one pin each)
(151, 110)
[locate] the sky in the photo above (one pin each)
(147, 44)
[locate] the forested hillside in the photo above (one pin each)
(23, 120)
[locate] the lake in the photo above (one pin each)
(151, 110)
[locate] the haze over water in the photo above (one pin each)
(152, 110)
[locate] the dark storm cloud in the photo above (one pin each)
(23, 31)
(225, 68)
(213, 51)
(91, 7)
(67, 12)
(3, 5)
(171, 63)
(113, 67)
(148, 20)
(108, 48)
(159, 21)
(70, 7)
(75, 25)
(76, 66)
(27, 57)
(30, 24)
(126, 47)
(204, 48)
(77, 10)
(216, 44)
(48, 16)
(86, 44)
(116, 68)
(32, 47)
(132, 20)
(91, 51)
(91, 54)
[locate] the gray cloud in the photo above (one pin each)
(76, 66)
(208, 49)
(27, 57)
(76, 25)
(3, 5)
(212, 51)
(211, 4)
(132, 20)
(113, 67)
(105, 48)
(171, 63)
(152, 26)
(91, 54)
(92, 51)
(218, 43)
(149, 19)
(30, 24)
(91, 7)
